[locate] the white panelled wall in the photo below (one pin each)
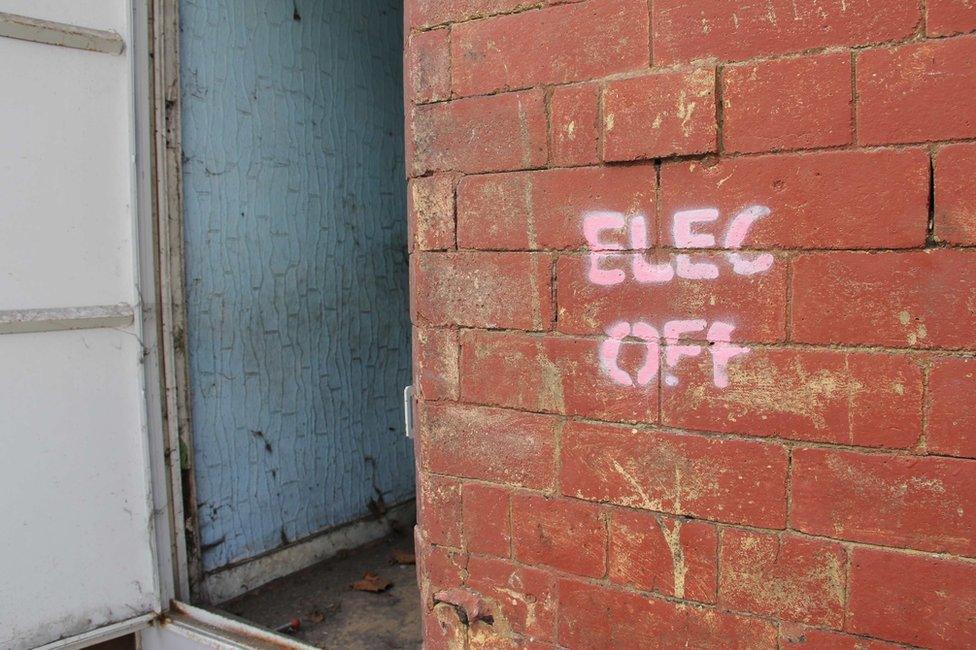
(76, 551)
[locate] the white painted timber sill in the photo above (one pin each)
(52, 33)
(24, 321)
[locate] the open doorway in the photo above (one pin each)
(295, 332)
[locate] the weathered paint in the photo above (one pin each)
(298, 323)
(50, 32)
(684, 234)
(76, 553)
(596, 224)
(22, 321)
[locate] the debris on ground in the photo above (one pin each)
(372, 583)
(333, 615)
(317, 616)
(291, 627)
(404, 557)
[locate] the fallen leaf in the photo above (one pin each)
(372, 583)
(316, 616)
(403, 557)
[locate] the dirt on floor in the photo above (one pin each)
(334, 615)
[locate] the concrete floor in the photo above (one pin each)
(335, 616)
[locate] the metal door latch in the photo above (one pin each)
(408, 410)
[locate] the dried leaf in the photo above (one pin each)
(372, 583)
(316, 616)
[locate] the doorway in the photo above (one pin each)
(297, 329)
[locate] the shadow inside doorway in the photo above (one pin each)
(331, 614)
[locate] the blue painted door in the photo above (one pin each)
(299, 334)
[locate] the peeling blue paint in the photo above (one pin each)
(299, 333)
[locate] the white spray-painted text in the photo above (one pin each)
(606, 256)
(609, 263)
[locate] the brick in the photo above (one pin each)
(733, 481)
(952, 418)
(486, 519)
(437, 568)
(667, 555)
(425, 13)
(659, 115)
(421, 550)
(545, 209)
(435, 363)
(439, 510)
(913, 502)
(788, 104)
(917, 93)
(443, 629)
(955, 194)
(495, 212)
(793, 635)
(560, 197)
(595, 617)
(586, 391)
(918, 600)
(479, 134)
(899, 299)
(493, 290)
(430, 205)
(786, 577)
(489, 444)
(484, 636)
(558, 533)
(550, 375)
(755, 304)
(575, 125)
(948, 17)
(731, 31)
(810, 207)
(429, 66)
(569, 43)
(861, 399)
(523, 598)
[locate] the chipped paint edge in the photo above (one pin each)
(101, 634)
(48, 32)
(59, 319)
(221, 630)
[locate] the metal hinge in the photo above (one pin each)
(408, 410)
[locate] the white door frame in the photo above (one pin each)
(163, 99)
(160, 491)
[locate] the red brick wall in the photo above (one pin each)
(640, 426)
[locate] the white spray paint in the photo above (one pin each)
(608, 262)
(610, 353)
(608, 265)
(675, 349)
